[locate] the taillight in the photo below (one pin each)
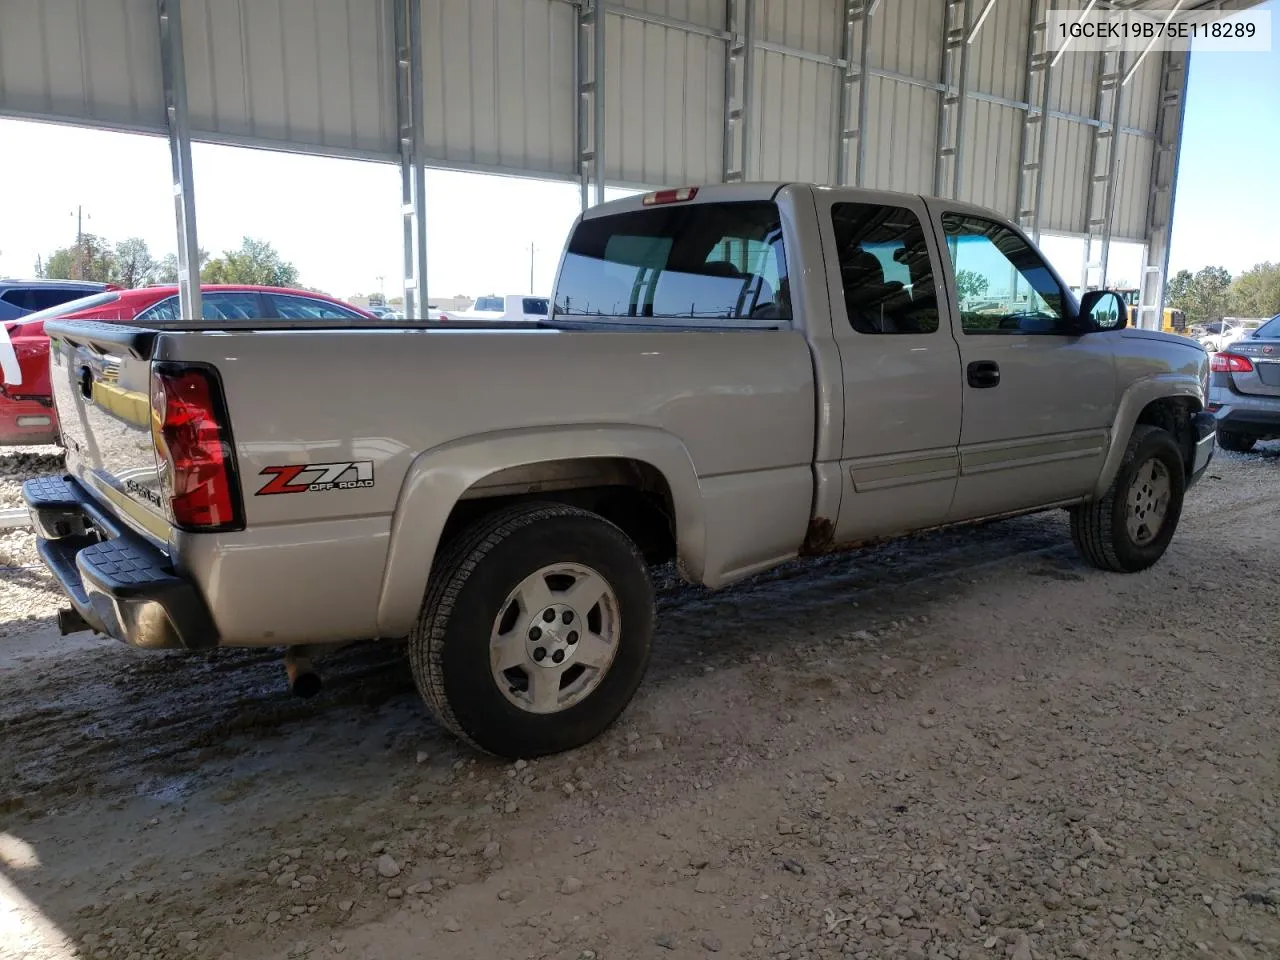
(193, 447)
(1230, 363)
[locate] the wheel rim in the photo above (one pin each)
(554, 638)
(1148, 501)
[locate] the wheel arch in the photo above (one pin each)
(620, 471)
(1168, 401)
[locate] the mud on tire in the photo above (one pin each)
(1103, 530)
(485, 602)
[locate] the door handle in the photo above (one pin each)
(983, 373)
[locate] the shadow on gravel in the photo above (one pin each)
(96, 728)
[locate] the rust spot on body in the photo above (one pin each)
(819, 537)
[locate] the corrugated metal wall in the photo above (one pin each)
(499, 89)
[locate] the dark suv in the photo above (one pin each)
(21, 297)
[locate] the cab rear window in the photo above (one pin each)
(714, 263)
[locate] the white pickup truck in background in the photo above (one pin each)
(514, 307)
(732, 376)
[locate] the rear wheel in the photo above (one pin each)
(1129, 528)
(1235, 442)
(535, 632)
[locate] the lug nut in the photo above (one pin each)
(572, 638)
(558, 656)
(548, 615)
(540, 654)
(568, 617)
(535, 633)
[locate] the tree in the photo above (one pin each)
(135, 267)
(167, 269)
(88, 259)
(256, 262)
(970, 285)
(1203, 296)
(1256, 292)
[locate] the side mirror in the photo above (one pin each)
(1103, 310)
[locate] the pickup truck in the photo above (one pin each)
(732, 376)
(514, 307)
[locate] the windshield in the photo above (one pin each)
(490, 303)
(1269, 330)
(536, 305)
(71, 306)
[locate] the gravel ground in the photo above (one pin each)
(963, 746)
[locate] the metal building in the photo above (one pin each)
(951, 97)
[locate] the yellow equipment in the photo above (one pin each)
(1174, 321)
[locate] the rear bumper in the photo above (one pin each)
(25, 422)
(1206, 433)
(1246, 415)
(118, 582)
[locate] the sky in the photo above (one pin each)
(339, 222)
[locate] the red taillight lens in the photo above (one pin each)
(197, 461)
(1230, 363)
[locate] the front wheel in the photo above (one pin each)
(1129, 528)
(535, 632)
(1235, 442)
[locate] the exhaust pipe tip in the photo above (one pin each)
(304, 681)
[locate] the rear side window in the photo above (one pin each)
(885, 269)
(306, 308)
(706, 262)
(213, 306)
(536, 305)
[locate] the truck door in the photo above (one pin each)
(1039, 397)
(900, 363)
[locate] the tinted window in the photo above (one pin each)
(1269, 330)
(305, 308)
(491, 304)
(712, 262)
(40, 298)
(885, 269)
(1002, 284)
(536, 305)
(72, 306)
(241, 305)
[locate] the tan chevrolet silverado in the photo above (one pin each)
(730, 377)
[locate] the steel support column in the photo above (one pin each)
(174, 75)
(739, 84)
(1104, 155)
(589, 71)
(413, 177)
(1035, 124)
(1163, 184)
(948, 166)
(851, 105)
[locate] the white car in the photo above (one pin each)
(517, 307)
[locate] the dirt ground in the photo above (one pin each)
(964, 746)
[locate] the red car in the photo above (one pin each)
(26, 409)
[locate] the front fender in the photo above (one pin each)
(1134, 400)
(437, 479)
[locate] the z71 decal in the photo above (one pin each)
(317, 477)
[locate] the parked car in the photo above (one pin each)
(26, 406)
(513, 307)
(18, 298)
(732, 376)
(1244, 388)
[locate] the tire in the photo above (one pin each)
(1101, 530)
(476, 604)
(1235, 442)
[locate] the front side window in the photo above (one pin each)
(722, 261)
(1002, 284)
(885, 269)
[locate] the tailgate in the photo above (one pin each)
(100, 375)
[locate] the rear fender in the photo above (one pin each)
(1135, 399)
(438, 478)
